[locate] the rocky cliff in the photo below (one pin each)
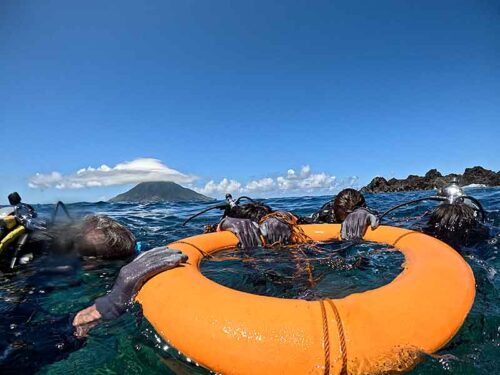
(433, 180)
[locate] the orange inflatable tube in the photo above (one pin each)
(379, 331)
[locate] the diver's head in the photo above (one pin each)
(347, 201)
(451, 191)
(14, 198)
(99, 235)
(453, 223)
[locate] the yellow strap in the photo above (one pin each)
(13, 234)
(10, 221)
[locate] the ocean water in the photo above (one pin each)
(36, 305)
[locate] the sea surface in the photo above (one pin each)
(36, 305)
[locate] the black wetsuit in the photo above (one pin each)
(30, 336)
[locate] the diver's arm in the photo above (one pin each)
(130, 279)
(276, 231)
(246, 230)
(355, 224)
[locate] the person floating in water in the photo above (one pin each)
(348, 208)
(255, 223)
(96, 236)
(93, 237)
(458, 220)
(18, 226)
(103, 237)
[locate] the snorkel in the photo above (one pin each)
(451, 193)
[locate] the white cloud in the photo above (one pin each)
(46, 180)
(306, 181)
(135, 171)
(264, 184)
(213, 188)
(293, 183)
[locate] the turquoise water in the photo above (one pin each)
(34, 304)
(330, 270)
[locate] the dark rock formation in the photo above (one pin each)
(162, 191)
(478, 175)
(433, 179)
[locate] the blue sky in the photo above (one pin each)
(244, 91)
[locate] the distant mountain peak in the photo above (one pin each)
(160, 191)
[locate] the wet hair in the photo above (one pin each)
(338, 208)
(99, 235)
(254, 211)
(453, 223)
(347, 201)
(14, 198)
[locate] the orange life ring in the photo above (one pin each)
(378, 331)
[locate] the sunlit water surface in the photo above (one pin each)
(34, 305)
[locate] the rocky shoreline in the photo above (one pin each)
(433, 179)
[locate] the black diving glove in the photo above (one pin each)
(276, 231)
(246, 230)
(355, 224)
(133, 276)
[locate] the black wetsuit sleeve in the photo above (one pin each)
(133, 276)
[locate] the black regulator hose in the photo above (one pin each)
(222, 206)
(61, 205)
(247, 198)
(477, 203)
(433, 198)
